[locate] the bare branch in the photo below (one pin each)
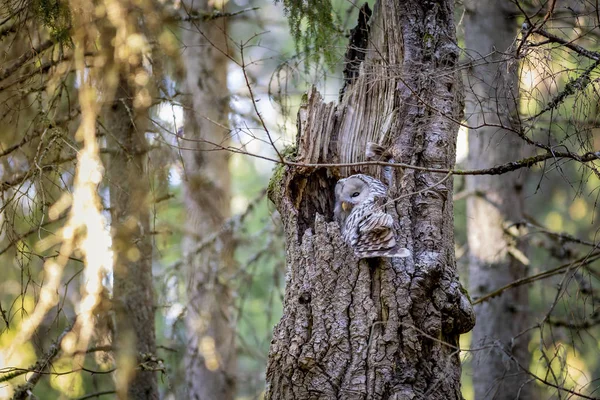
(8, 71)
(23, 391)
(495, 170)
(569, 44)
(97, 394)
(588, 259)
(196, 15)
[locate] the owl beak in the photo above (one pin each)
(346, 206)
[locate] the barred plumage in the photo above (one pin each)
(361, 210)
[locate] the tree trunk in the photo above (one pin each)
(133, 299)
(211, 358)
(378, 328)
(490, 28)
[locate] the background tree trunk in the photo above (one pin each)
(380, 328)
(132, 244)
(492, 94)
(211, 358)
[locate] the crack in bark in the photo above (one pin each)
(359, 40)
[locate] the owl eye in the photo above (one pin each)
(355, 194)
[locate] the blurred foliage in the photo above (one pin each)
(561, 200)
(56, 16)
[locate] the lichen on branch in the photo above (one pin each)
(312, 27)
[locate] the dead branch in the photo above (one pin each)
(23, 391)
(588, 259)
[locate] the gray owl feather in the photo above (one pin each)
(361, 211)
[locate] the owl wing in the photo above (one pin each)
(375, 232)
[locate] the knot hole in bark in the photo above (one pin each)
(304, 298)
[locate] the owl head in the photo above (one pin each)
(351, 191)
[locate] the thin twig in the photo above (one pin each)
(569, 44)
(495, 170)
(542, 275)
(23, 391)
(6, 72)
(97, 394)
(253, 99)
(206, 16)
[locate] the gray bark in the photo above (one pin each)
(210, 355)
(133, 299)
(490, 28)
(379, 328)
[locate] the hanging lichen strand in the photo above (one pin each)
(312, 27)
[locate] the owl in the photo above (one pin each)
(360, 209)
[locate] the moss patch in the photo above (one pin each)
(466, 293)
(275, 187)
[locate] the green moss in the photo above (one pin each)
(275, 182)
(427, 39)
(289, 153)
(466, 293)
(304, 98)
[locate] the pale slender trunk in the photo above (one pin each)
(210, 356)
(133, 299)
(380, 328)
(490, 28)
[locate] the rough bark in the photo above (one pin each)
(210, 359)
(490, 29)
(380, 328)
(133, 298)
